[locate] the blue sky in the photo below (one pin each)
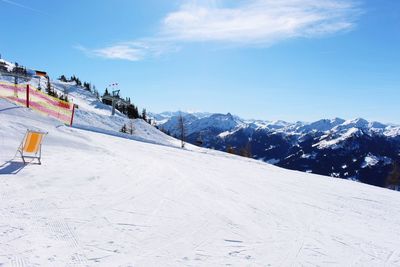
(265, 59)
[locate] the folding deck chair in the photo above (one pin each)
(31, 145)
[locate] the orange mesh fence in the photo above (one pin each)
(38, 101)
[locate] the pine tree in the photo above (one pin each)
(106, 93)
(87, 86)
(131, 111)
(49, 91)
(144, 115)
(76, 80)
(136, 112)
(181, 127)
(95, 92)
(123, 129)
(63, 78)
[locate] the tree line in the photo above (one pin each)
(86, 85)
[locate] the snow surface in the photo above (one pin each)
(101, 200)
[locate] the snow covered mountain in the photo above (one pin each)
(333, 147)
(213, 123)
(165, 116)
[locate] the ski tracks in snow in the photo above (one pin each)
(52, 234)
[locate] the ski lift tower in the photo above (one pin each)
(114, 97)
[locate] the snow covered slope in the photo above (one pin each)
(93, 115)
(100, 200)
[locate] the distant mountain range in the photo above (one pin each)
(351, 149)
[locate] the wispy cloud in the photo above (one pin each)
(21, 6)
(126, 51)
(251, 22)
(121, 51)
(131, 51)
(259, 21)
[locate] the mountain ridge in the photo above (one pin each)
(322, 147)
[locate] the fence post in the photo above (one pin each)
(27, 95)
(73, 113)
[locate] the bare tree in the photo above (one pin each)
(230, 149)
(393, 180)
(246, 151)
(131, 127)
(182, 130)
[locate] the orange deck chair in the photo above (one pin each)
(31, 145)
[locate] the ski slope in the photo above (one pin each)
(93, 115)
(102, 200)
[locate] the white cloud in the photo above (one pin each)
(251, 22)
(259, 21)
(131, 51)
(121, 51)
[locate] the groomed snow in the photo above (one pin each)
(100, 200)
